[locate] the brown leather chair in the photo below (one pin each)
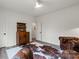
(24, 53)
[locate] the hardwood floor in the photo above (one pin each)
(3, 54)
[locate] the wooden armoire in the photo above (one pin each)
(22, 36)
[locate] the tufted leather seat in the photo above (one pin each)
(25, 53)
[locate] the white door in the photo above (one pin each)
(2, 29)
(39, 31)
(2, 33)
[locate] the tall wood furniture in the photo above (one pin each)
(22, 37)
(68, 42)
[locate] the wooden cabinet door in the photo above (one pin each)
(27, 37)
(22, 38)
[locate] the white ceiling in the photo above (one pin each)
(27, 6)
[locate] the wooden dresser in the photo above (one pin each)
(68, 42)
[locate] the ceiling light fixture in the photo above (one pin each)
(38, 4)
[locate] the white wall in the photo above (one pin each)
(63, 22)
(8, 20)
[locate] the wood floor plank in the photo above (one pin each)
(3, 54)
